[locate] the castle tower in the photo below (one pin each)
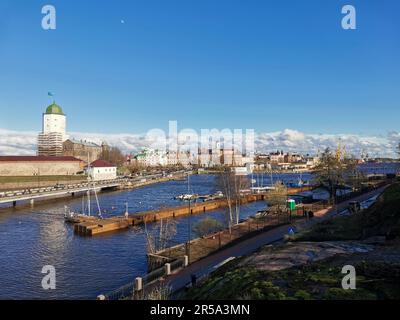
(50, 140)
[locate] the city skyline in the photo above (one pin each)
(294, 76)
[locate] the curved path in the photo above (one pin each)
(201, 268)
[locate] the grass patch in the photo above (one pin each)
(375, 280)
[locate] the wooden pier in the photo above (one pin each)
(95, 226)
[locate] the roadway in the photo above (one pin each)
(55, 191)
(32, 194)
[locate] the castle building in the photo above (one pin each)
(50, 140)
(53, 140)
(40, 166)
(84, 150)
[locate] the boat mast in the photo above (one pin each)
(97, 202)
(89, 180)
(262, 179)
(83, 204)
(272, 180)
(188, 180)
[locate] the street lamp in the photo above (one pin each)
(189, 230)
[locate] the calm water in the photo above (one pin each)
(380, 168)
(33, 237)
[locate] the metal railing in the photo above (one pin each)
(64, 187)
(129, 291)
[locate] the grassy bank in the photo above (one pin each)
(322, 280)
(381, 219)
(377, 269)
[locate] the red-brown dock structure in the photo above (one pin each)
(91, 226)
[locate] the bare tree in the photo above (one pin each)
(113, 155)
(160, 236)
(332, 172)
(231, 185)
(277, 197)
(241, 183)
(135, 167)
(159, 292)
(226, 184)
(398, 150)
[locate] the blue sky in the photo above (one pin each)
(267, 65)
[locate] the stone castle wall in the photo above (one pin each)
(42, 168)
(81, 151)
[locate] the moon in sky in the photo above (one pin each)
(122, 21)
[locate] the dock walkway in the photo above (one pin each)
(97, 226)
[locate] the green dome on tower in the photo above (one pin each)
(54, 109)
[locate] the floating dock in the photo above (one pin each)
(95, 226)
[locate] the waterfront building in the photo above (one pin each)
(102, 170)
(151, 158)
(40, 166)
(285, 161)
(182, 158)
(50, 140)
(277, 157)
(293, 158)
(205, 158)
(187, 159)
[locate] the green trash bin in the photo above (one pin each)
(291, 204)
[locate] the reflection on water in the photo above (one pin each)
(33, 237)
(85, 267)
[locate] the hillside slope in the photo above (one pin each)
(310, 266)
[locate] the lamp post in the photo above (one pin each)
(38, 174)
(189, 230)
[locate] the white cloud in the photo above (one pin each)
(17, 143)
(24, 143)
(292, 140)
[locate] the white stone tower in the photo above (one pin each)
(50, 141)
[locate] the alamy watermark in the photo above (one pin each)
(214, 145)
(349, 21)
(349, 280)
(49, 280)
(49, 21)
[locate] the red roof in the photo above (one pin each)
(101, 164)
(38, 158)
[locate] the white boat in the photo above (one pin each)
(261, 189)
(211, 197)
(74, 217)
(187, 196)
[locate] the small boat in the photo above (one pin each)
(187, 197)
(261, 189)
(74, 217)
(262, 213)
(215, 196)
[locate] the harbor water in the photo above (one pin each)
(33, 237)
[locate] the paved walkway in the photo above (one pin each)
(206, 265)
